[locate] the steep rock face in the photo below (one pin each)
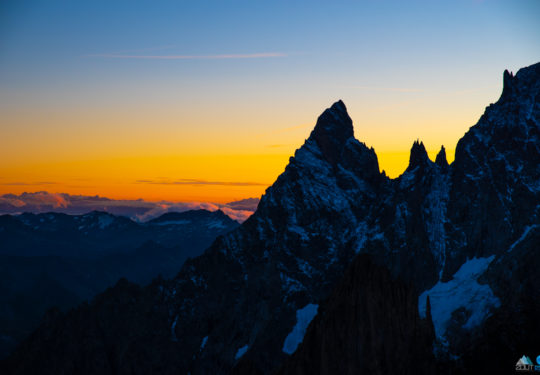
(447, 231)
(440, 160)
(476, 223)
(370, 324)
(496, 173)
(288, 254)
(241, 296)
(334, 127)
(419, 157)
(492, 210)
(407, 232)
(513, 329)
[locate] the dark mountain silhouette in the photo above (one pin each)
(371, 316)
(444, 254)
(57, 260)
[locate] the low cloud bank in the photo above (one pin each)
(139, 210)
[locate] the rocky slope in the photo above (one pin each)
(484, 234)
(58, 260)
(368, 316)
(456, 234)
(97, 234)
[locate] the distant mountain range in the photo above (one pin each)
(59, 260)
(342, 269)
(138, 210)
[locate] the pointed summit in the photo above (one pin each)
(440, 160)
(419, 156)
(334, 127)
(508, 80)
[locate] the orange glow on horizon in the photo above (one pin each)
(202, 178)
(216, 150)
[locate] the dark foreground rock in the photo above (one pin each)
(369, 325)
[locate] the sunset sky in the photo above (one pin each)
(207, 100)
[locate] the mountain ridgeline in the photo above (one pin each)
(342, 269)
(57, 260)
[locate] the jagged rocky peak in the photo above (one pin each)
(508, 78)
(509, 124)
(300, 242)
(334, 127)
(524, 81)
(419, 156)
(440, 160)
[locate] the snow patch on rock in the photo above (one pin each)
(522, 237)
(240, 352)
(173, 327)
(462, 292)
(104, 221)
(203, 342)
(304, 316)
(216, 225)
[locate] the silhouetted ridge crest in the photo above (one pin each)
(334, 127)
(466, 237)
(522, 82)
(440, 160)
(419, 156)
(508, 84)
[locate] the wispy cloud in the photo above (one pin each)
(230, 56)
(37, 183)
(148, 49)
(386, 89)
(141, 210)
(188, 181)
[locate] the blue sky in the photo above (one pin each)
(55, 40)
(82, 80)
